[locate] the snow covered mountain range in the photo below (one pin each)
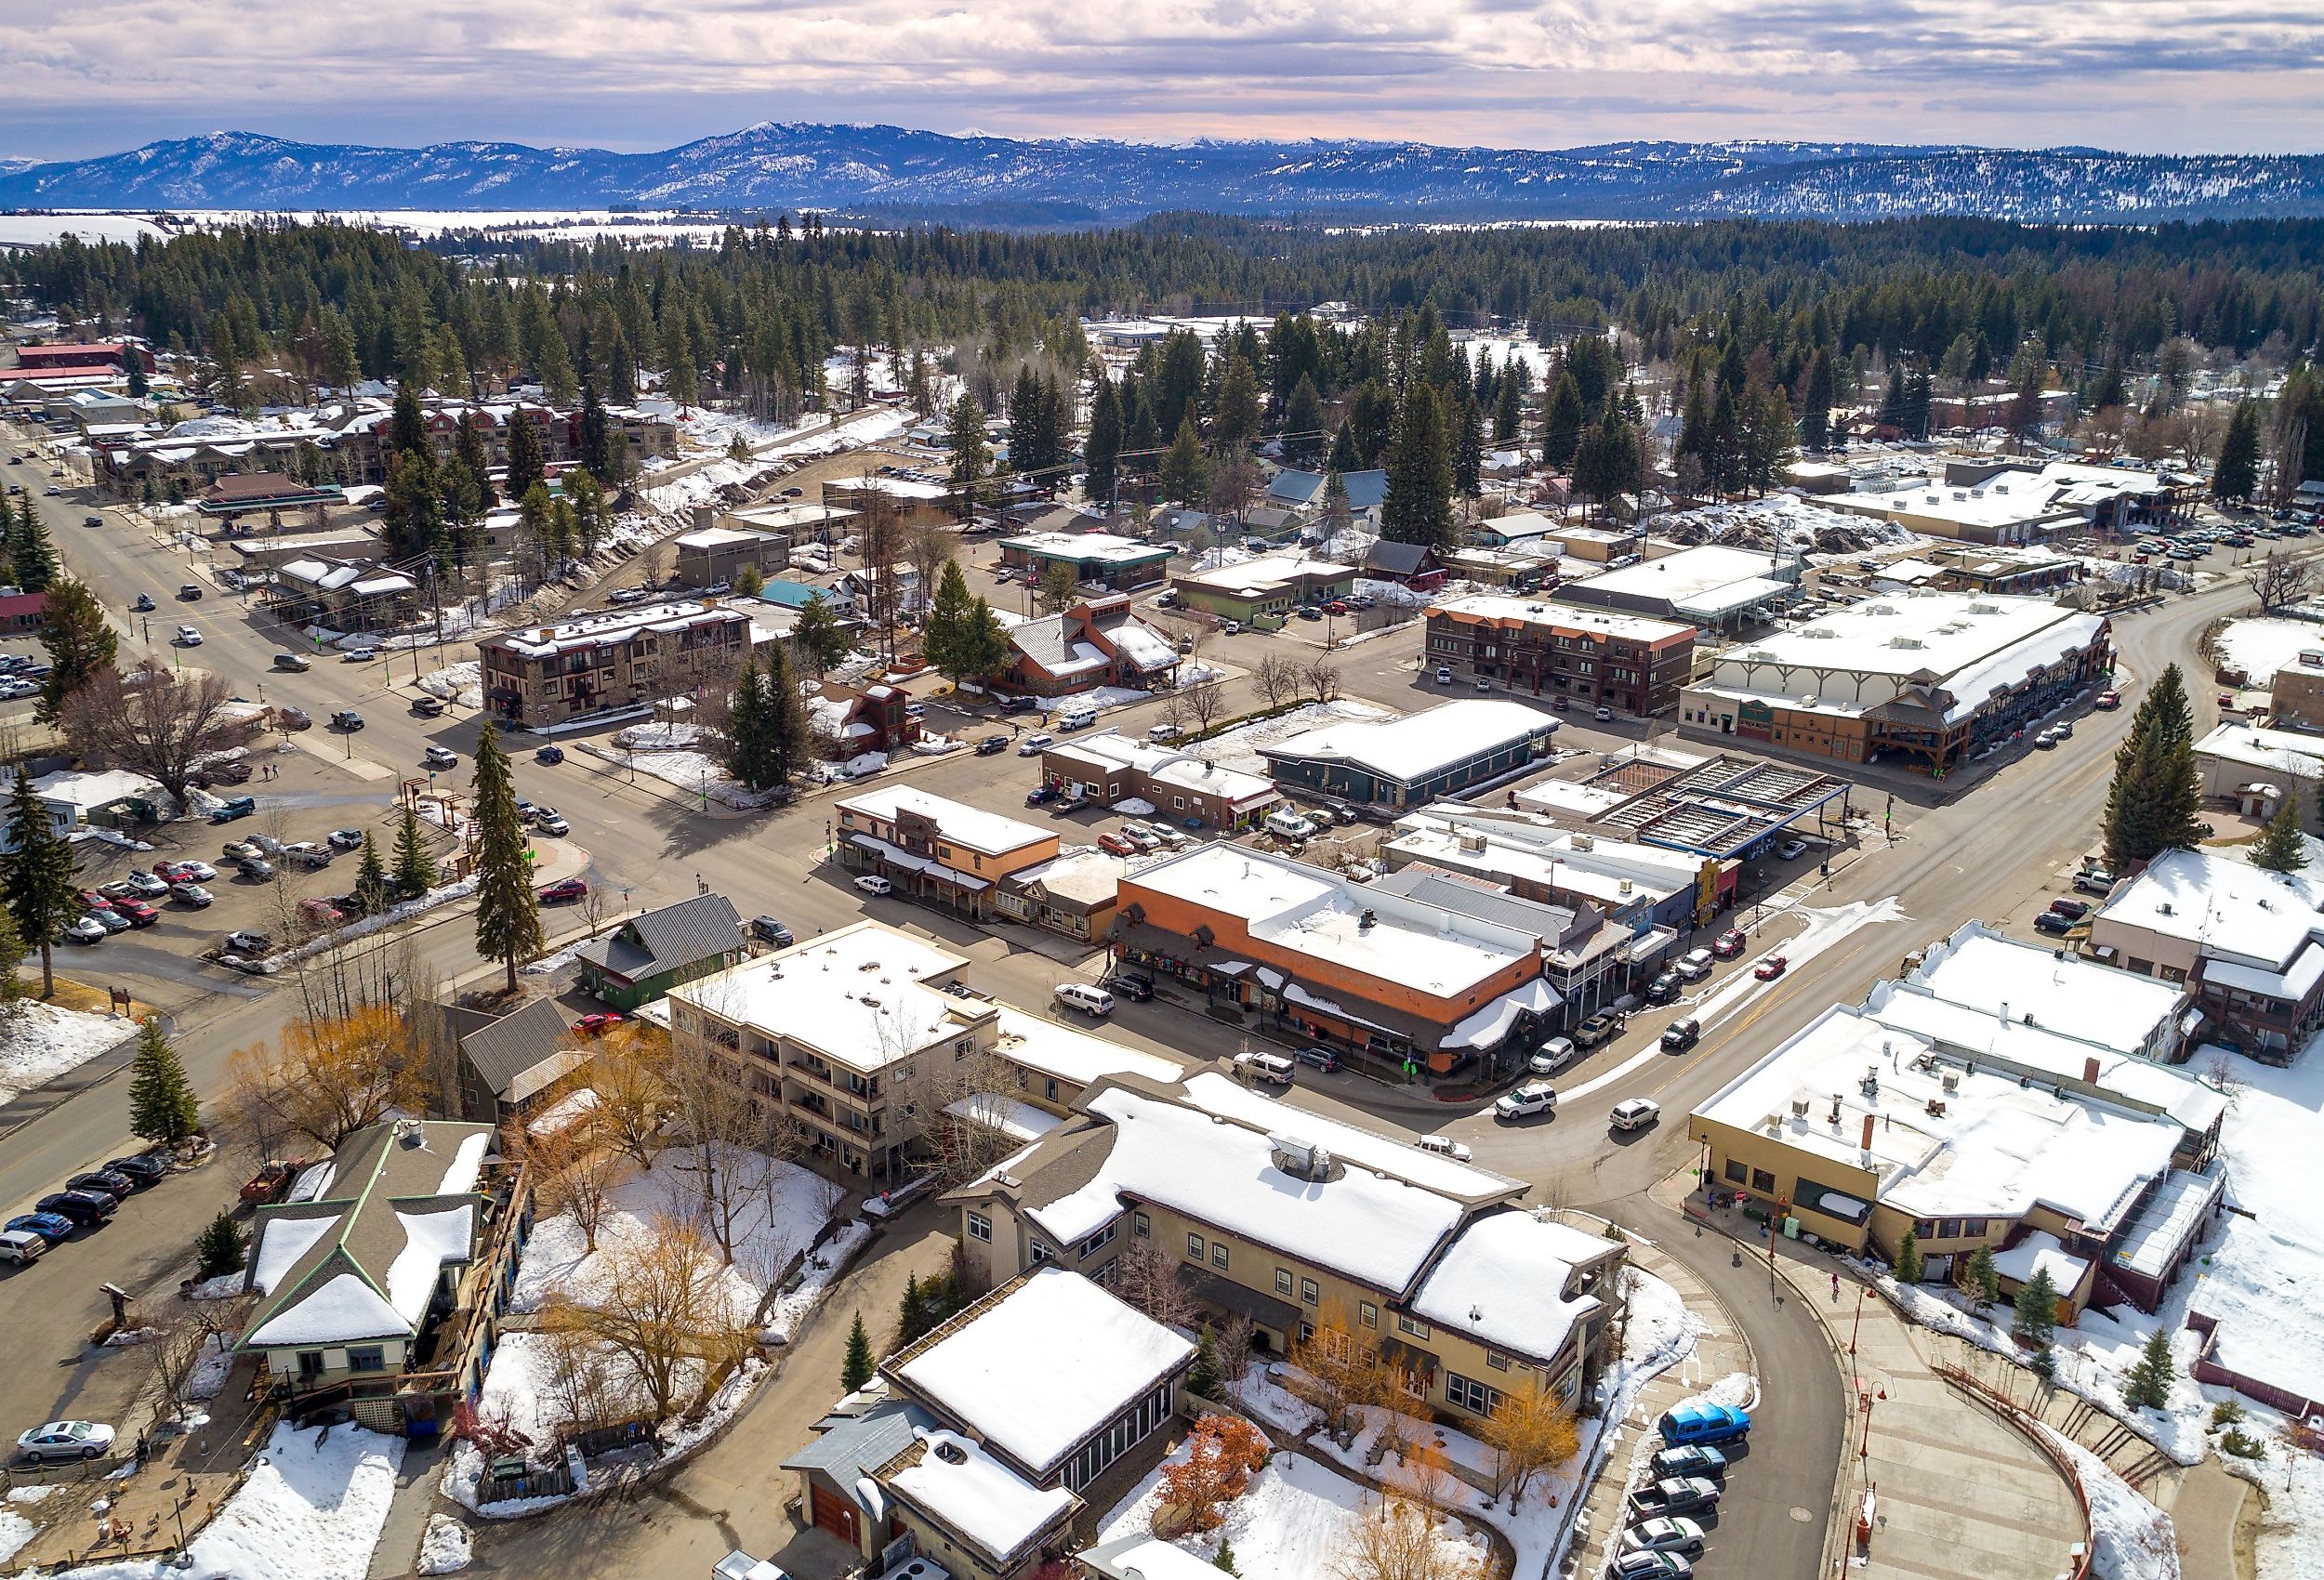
(896, 172)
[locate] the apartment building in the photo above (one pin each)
(544, 674)
(941, 852)
(1108, 767)
(1575, 657)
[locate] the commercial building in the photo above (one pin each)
(2007, 501)
(1301, 1222)
(2116, 498)
(1635, 887)
(1096, 642)
(908, 501)
(250, 493)
(794, 521)
(1960, 567)
(1705, 585)
(1406, 762)
(1595, 657)
(1926, 677)
(2248, 942)
(544, 675)
(2255, 767)
(1404, 985)
(381, 1281)
(719, 554)
(1097, 559)
(1109, 768)
(940, 852)
(2295, 692)
(656, 951)
(343, 595)
(1857, 1131)
(1263, 591)
(1075, 895)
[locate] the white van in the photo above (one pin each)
(20, 1245)
(1082, 997)
(1272, 1069)
(1284, 824)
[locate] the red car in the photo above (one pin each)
(1767, 970)
(140, 914)
(591, 1025)
(564, 890)
(2108, 701)
(1116, 845)
(1728, 944)
(92, 900)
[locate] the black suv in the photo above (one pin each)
(1135, 988)
(103, 1182)
(1680, 1036)
(1664, 988)
(83, 1207)
(144, 1169)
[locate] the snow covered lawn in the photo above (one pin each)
(2260, 648)
(311, 1509)
(40, 1042)
(673, 754)
(1239, 749)
(1289, 1525)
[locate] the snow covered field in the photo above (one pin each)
(2260, 648)
(1239, 749)
(671, 753)
(40, 1042)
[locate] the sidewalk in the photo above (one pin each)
(1952, 1489)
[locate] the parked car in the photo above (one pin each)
(1664, 988)
(2045, 742)
(768, 929)
(103, 1182)
(111, 920)
(85, 929)
(257, 868)
(1116, 845)
(1635, 1113)
(2053, 922)
(1767, 970)
(1690, 1459)
(1729, 944)
(307, 854)
(65, 1440)
(1695, 965)
(120, 888)
(136, 913)
(94, 899)
(1603, 715)
(1680, 1036)
(1322, 1059)
(189, 894)
(1698, 1421)
(597, 1023)
(345, 840)
(272, 1181)
(1554, 1056)
(359, 655)
(553, 825)
(239, 850)
(1094, 1001)
(55, 1227)
(1457, 1150)
(1134, 988)
(1526, 1101)
(250, 940)
(1675, 1494)
(991, 745)
(1597, 1029)
(1041, 794)
(1031, 746)
(563, 892)
(22, 1245)
(1664, 1535)
(83, 1207)
(2107, 702)
(1443, 675)
(1791, 849)
(145, 885)
(2094, 880)
(2072, 908)
(291, 719)
(549, 756)
(1649, 1566)
(872, 883)
(440, 757)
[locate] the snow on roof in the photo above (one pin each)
(1215, 1093)
(1013, 1117)
(1996, 1149)
(342, 1308)
(859, 995)
(1589, 866)
(1106, 749)
(718, 538)
(1378, 1229)
(2291, 984)
(2261, 647)
(1502, 608)
(431, 1239)
(1420, 745)
(96, 788)
(1104, 548)
(1264, 572)
(1503, 1281)
(1982, 970)
(2009, 500)
(979, 1497)
(1037, 1371)
(1690, 574)
(973, 827)
(1487, 1026)
(1306, 911)
(2233, 910)
(468, 1161)
(2171, 1217)
(612, 626)
(1142, 645)
(2284, 751)
(282, 1241)
(2041, 1252)
(1074, 1056)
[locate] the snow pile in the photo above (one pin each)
(555, 961)
(1239, 749)
(1290, 1523)
(1394, 593)
(1778, 521)
(2290, 1547)
(312, 1509)
(791, 1308)
(444, 1549)
(2260, 648)
(1276, 1405)
(363, 927)
(693, 772)
(40, 1042)
(211, 1366)
(459, 683)
(781, 1206)
(224, 1286)
(15, 1531)
(2130, 1540)
(861, 766)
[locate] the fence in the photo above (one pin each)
(2033, 1431)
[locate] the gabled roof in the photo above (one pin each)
(1398, 559)
(668, 938)
(504, 1049)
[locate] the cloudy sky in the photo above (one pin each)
(92, 76)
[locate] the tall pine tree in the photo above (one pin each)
(2236, 475)
(414, 868)
(1418, 507)
(371, 878)
(2283, 848)
(41, 885)
(163, 1106)
(856, 1369)
(507, 910)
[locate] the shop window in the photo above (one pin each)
(1762, 1181)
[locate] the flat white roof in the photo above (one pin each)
(973, 827)
(1420, 744)
(2009, 500)
(858, 994)
(2281, 751)
(1171, 766)
(1266, 570)
(1549, 612)
(2232, 910)
(1993, 1148)
(1503, 1281)
(1087, 546)
(1047, 1364)
(2008, 978)
(613, 625)
(1070, 1054)
(979, 1497)
(720, 538)
(1689, 574)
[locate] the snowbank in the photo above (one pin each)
(40, 1042)
(459, 683)
(363, 927)
(822, 1267)
(1239, 749)
(1778, 521)
(444, 1549)
(2130, 1540)
(2260, 648)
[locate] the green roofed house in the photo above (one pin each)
(380, 1281)
(649, 954)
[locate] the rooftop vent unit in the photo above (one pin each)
(1302, 1160)
(1365, 922)
(1871, 1084)
(1950, 1080)
(1798, 1107)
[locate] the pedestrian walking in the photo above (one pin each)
(1835, 1288)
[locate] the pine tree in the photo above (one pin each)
(984, 643)
(1100, 449)
(857, 1369)
(970, 459)
(1225, 1559)
(34, 557)
(371, 878)
(818, 637)
(525, 466)
(1815, 404)
(220, 1248)
(475, 461)
(1561, 423)
(597, 439)
(1418, 507)
(1303, 423)
(2148, 1386)
(1203, 1379)
(1236, 421)
(2155, 800)
(1985, 1279)
(414, 868)
(12, 953)
(79, 642)
(1058, 591)
(2282, 849)
(947, 612)
(1468, 446)
(1909, 1263)
(790, 742)
(1185, 475)
(912, 1318)
(163, 1106)
(1508, 407)
(2037, 1315)
(38, 879)
(2236, 475)
(1344, 456)
(507, 910)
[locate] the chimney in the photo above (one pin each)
(1867, 1143)
(2089, 1071)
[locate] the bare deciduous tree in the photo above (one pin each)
(1149, 1278)
(1232, 1345)
(325, 1078)
(630, 1075)
(573, 1175)
(1206, 703)
(1278, 678)
(662, 1307)
(961, 1101)
(155, 720)
(1322, 678)
(2278, 579)
(1530, 1430)
(1401, 1543)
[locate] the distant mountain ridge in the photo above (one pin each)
(894, 171)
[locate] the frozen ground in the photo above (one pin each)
(2260, 648)
(1239, 749)
(310, 1511)
(40, 1042)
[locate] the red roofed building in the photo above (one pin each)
(79, 357)
(20, 612)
